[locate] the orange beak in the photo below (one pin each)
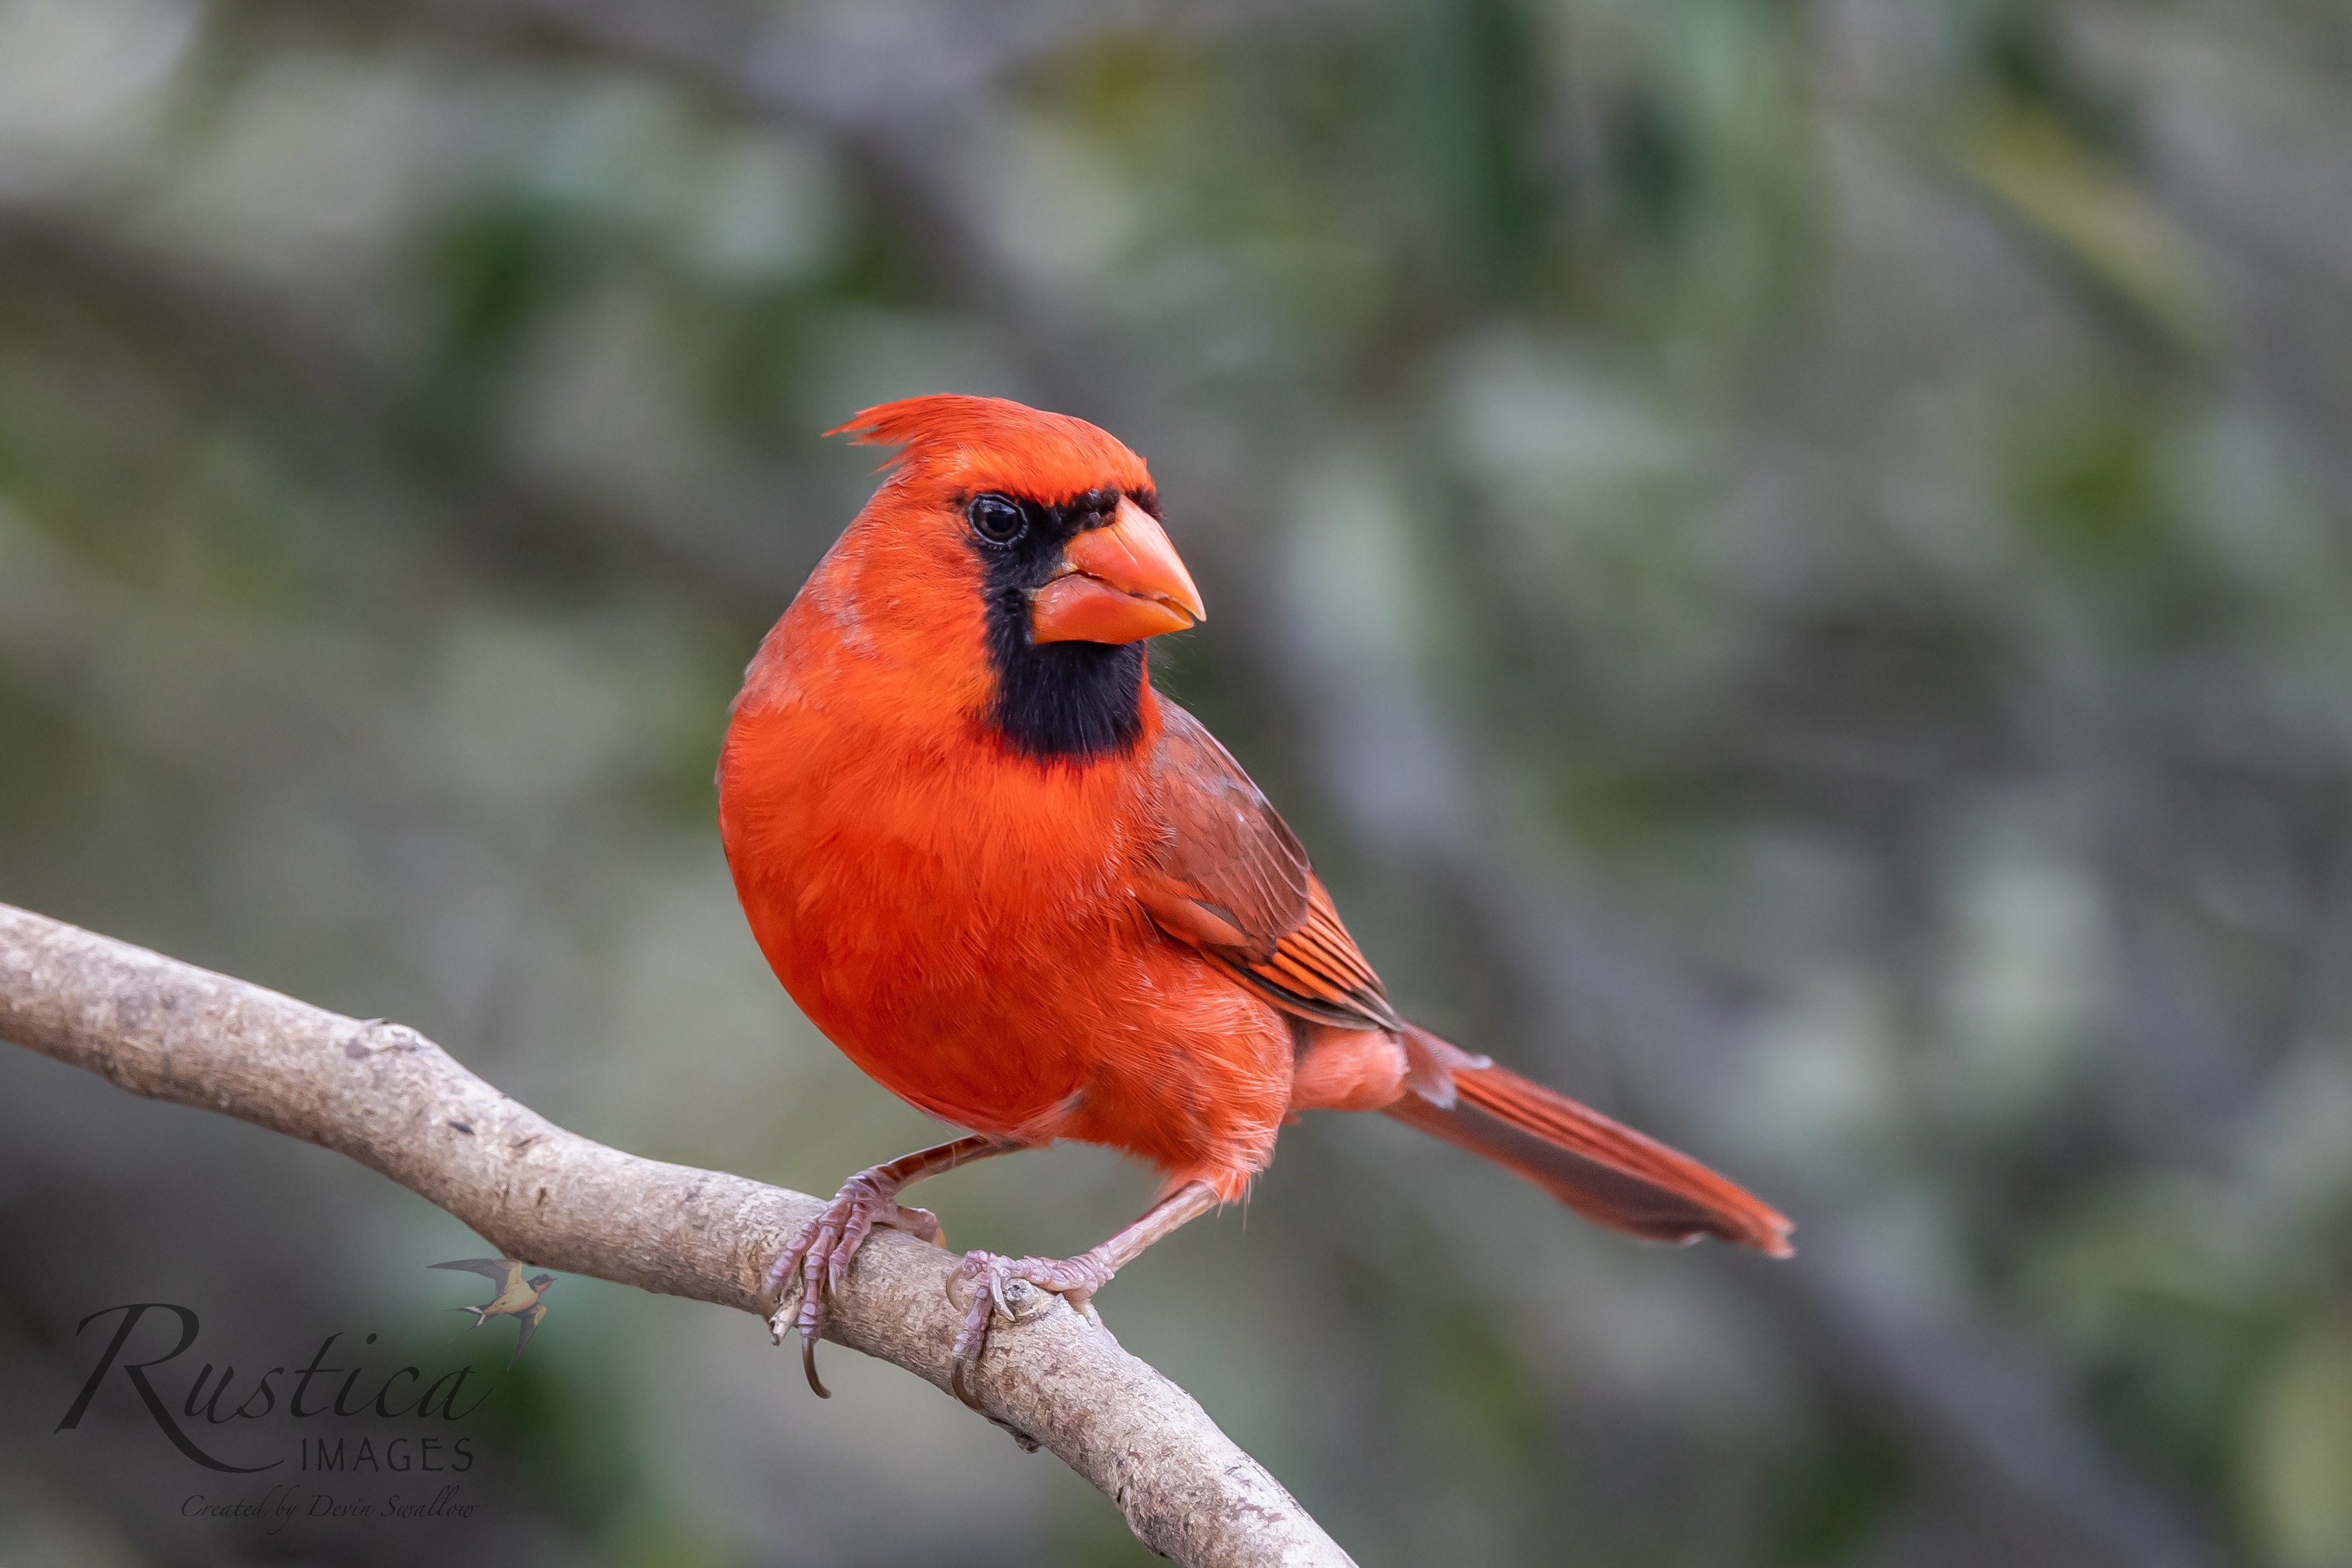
(1120, 583)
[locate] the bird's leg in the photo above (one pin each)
(1075, 1280)
(820, 1252)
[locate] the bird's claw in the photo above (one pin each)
(817, 1258)
(1018, 1289)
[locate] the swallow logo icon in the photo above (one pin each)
(517, 1298)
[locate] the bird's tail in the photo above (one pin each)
(1605, 1171)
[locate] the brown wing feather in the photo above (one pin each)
(1317, 972)
(1235, 884)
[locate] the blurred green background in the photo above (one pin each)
(1793, 562)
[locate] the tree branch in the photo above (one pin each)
(395, 1102)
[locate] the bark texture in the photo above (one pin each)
(395, 1102)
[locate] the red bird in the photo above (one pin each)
(1032, 896)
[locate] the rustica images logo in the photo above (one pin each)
(355, 1417)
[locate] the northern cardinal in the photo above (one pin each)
(1032, 896)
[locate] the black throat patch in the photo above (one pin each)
(1065, 700)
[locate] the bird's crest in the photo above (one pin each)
(964, 442)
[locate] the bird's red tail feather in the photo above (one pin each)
(1605, 1171)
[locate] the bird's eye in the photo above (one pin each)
(998, 518)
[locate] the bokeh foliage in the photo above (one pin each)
(1791, 561)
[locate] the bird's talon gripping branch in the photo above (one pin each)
(819, 1254)
(1017, 1289)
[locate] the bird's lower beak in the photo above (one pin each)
(1119, 583)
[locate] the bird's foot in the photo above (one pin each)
(818, 1257)
(1018, 1289)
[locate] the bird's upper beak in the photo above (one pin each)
(1119, 583)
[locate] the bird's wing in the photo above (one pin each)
(1233, 882)
(530, 1320)
(505, 1273)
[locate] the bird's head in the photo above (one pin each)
(1035, 535)
(1059, 521)
(539, 1282)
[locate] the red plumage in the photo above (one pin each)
(1036, 900)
